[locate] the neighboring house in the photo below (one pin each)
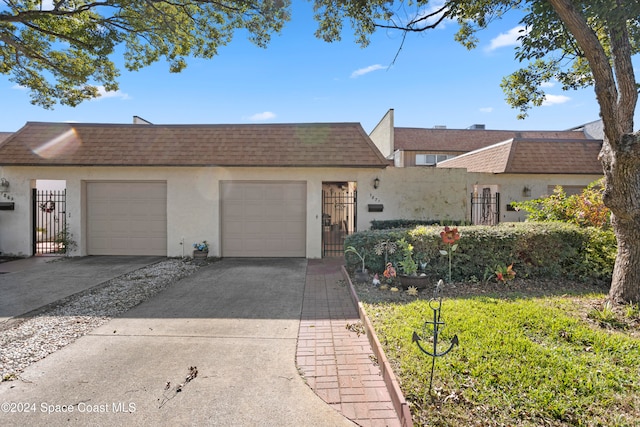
(410, 147)
(503, 166)
(523, 169)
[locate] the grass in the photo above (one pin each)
(538, 361)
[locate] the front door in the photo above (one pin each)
(339, 216)
(49, 222)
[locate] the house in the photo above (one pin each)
(520, 169)
(144, 189)
(503, 166)
(270, 190)
(410, 147)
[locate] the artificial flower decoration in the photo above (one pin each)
(202, 246)
(450, 235)
(389, 271)
(413, 291)
(394, 289)
(504, 274)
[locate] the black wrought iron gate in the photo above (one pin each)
(49, 222)
(485, 208)
(339, 219)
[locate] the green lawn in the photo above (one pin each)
(522, 361)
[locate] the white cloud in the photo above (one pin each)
(266, 115)
(510, 38)
(432, 8)
(554, 100)
(547, 84)
(103, 93)
(367, 70)
(486, 109)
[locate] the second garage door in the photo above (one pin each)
(263, 219)
(127, 218)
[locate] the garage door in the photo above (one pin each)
(263, 219)
(127, 218)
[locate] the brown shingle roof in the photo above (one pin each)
(520, 155)
(314, 145)
(5, 135)
(465, 140)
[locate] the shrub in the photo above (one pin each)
(541, 250)
(586, 209)
(410, 223)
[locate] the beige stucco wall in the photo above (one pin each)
(510, 188)
(193, 198)
(415, 193)
(193, 201)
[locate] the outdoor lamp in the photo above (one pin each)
(376, 182)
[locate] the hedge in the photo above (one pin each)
(536, 250)
(410, 223)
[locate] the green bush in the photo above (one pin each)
(586, 209)
(410, 223)
(540, 250)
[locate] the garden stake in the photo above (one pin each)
(435, 304)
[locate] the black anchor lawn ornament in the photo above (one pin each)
(436, 306)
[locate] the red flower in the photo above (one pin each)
(503, 274)
(450, 235)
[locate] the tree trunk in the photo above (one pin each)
(625, 283)
(622, 195)
(620, 155)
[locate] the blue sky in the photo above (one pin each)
(300, 79)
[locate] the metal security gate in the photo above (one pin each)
(485, 208)
(49, 222)
(339, 219)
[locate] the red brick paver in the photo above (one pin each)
(334, 354)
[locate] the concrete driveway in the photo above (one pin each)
(32, 283)
(236, 321)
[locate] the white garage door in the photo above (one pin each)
(264, 219)
(127, 218)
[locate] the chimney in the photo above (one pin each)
(137, 120)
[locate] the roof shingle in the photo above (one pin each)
(536, 156)
(268, 145)
(465, 140)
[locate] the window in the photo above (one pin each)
(425, 159)
(431, 159)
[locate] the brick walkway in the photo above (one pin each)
(335, 360)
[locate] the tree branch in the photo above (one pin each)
(409, 27)
(605, 84)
